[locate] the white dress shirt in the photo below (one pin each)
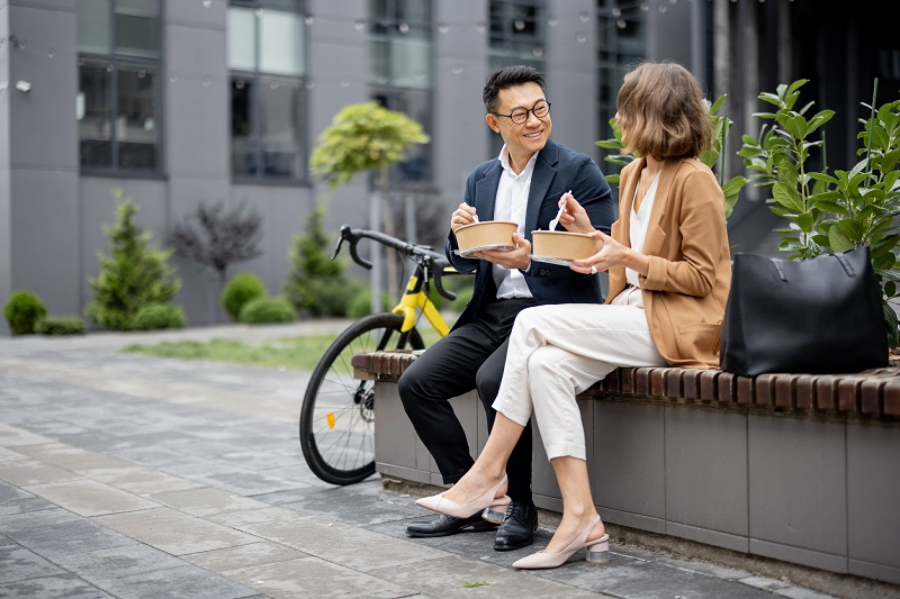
(511, 204)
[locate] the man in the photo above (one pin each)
(524, 184)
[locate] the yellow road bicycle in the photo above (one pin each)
(337, 419)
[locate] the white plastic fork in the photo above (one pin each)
(562, 207)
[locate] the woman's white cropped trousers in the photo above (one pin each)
(558, 351)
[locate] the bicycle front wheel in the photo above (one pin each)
(337, 420)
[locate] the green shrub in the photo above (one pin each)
(239, 290)
(23, 310)
(316, 284)
(268, 310)
(361, 303)
(158, 316)
(135, 274)
(60, 325)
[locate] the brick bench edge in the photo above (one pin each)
(872, 393)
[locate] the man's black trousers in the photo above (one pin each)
(470, 357)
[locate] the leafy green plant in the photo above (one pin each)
(60, 325)
(836, 212)
(363, 138)
(135, 274)
(779, 159)
(315, 284)
(268, 310)
(361, 303)
(158, 316)
(23, 311)
(241, 289)
(721, 125)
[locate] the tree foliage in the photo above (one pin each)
(218, 237)
(315, 284)
(364, 137)
(135, 274)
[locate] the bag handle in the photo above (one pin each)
(848, 268)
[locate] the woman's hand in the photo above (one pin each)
(574, 218)
(610, 254)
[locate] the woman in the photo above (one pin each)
(669, 271)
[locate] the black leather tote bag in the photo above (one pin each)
(815, 316)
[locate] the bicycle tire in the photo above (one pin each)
(345, 454)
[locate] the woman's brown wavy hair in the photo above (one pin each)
(661, 106)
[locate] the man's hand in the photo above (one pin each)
(464, 215)
(515, 258)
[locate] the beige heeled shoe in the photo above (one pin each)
(494, 508)
(597, 552)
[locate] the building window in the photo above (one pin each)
(621, 43)
(267, 60)
(518, 33)
(118, 95)
(400, 75)
(517, 36)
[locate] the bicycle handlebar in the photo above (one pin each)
(431, 260)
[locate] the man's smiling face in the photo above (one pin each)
(523, 140)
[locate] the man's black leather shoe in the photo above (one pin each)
(444, 526)
(518, 527)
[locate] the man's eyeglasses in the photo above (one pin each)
(540, 109)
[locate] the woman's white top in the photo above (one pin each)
(638, 225)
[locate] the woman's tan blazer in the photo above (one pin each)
(687, 286)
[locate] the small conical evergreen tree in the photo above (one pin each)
(315, 283)
(135, 274)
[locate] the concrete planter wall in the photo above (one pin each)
(747, 471)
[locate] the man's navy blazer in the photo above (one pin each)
(556, 171)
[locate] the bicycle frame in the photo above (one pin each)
(415, 298)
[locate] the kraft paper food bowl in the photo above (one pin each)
(494, 234)
(562, 245)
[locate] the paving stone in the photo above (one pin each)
(9, 455)
(174, 532)
(90, 498)
(99, 567)
(206, 501)
(246, 517)
(70, 457)
(800, 593)
(19, 506)
(352, 547)
(355, 509)
(229, 478)
(312, 577)
(21, 564)
(759, 582)
(141, 480)
(31, 472)
(58, 541)
(648, 580)
(243, 556)
(11, 436)
(453, 577)
(719, 572)
(9, 492)
(178, 583)
(63, 586)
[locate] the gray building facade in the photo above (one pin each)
(178, 102)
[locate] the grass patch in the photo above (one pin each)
(298, 353)
(294, 353)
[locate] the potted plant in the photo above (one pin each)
(837, 211)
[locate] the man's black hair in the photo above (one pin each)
(507, 77)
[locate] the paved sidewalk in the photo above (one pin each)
(128, 476)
